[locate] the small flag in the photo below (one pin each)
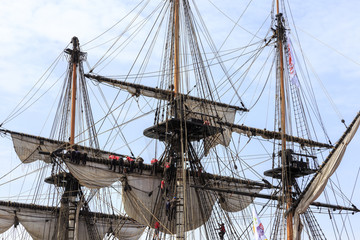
(258, 228)
(291, 65)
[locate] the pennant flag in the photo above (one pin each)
(258, 228)
(291, 65)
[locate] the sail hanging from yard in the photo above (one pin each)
(317, 185)
(31, 148)
(41, 222)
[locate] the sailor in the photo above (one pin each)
(73, 156)
(132, 163)
(167, 209)
(140, 164)
(78, 156)
(154, 163)
(222, 231)
(206, 122)
(111, 158)
(84, 158)
(167, 168)
(157, 226)
(162, 185)
(115, 162)
(121, 165)
(172, 171)
(200, 171)
(173, 208)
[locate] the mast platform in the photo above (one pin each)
(196, 129)
(295, 168)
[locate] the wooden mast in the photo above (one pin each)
(176, 49)
(286, 178)
(180, 222)
(75, 58)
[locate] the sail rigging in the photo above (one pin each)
(210, 164)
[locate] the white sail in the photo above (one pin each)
(93, 175)
(140, 202)
(213, 114)
(42, 223)
(28, 147)
(232, 202)
(31, 148)
(318, 184)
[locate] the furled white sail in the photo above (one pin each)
(93, 175)
(212, 114)
(42, 223)
(31, 148)
(144, 201)
(28, 147)
(318, 184)
(141, 193)
(231, 202)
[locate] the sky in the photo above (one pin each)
(33, 34)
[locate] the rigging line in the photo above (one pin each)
(118, 38)
(128, 40)
(11, 171)
(215, 51)
(14, 111)
(157, 73)
(137, 57)
(120, 125)
(233, 20)
(103, 96)
(36, 170)
(347, 216)
(237, 22)
(20, 112)
(325, 91)
(130, 12)
(311, 95)
(334, 49)
(48, 116)
(267, 80)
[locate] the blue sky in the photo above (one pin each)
(34, 33)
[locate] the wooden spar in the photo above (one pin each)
(176, 49)
(180, 222)
(72, 198)
(73, 92)
(275, 197)
(285, 178)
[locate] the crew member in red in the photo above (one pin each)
(154, 163)
(132, 163)
(222, 231)
(113, 162)
(162, 185)
(157, 226)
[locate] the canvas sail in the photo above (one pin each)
(317, 186)
(41, 222)
(31, 148)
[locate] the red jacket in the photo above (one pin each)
(157, 225)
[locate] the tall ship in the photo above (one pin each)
(179, 132)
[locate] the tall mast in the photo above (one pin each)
(70, 195)
(74, 61)
(180, 222)
(176, 49)
(286, 179)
